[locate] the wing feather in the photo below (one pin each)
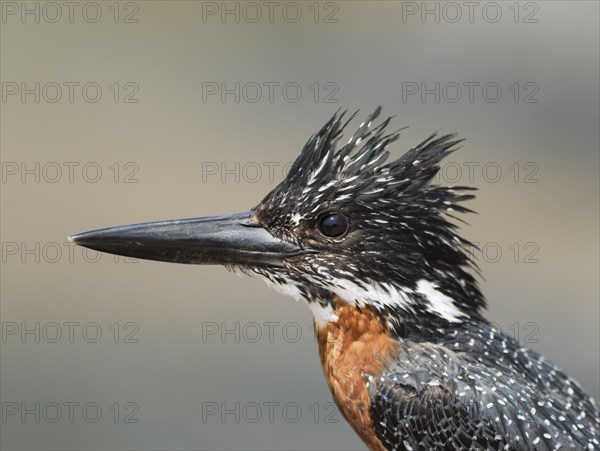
(435, 398)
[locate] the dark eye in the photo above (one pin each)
(333, 225)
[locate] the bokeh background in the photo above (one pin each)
(195, 357)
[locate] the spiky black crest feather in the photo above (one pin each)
(399, 235)
(360, 167)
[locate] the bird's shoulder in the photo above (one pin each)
(478, 389)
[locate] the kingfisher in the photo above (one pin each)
(371, 244)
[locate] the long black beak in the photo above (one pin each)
(220, 240)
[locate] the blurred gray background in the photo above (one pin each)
(124, 112)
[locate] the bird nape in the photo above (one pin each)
(371, 246)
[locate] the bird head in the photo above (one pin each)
(345, 222)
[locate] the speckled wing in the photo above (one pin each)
(436, 399)
(405, 419)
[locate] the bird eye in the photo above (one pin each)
(333, 225)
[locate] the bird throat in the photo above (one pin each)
(354, 346)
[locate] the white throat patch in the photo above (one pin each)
(374, 293)
(377, 294)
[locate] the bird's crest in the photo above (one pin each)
(360, 170)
